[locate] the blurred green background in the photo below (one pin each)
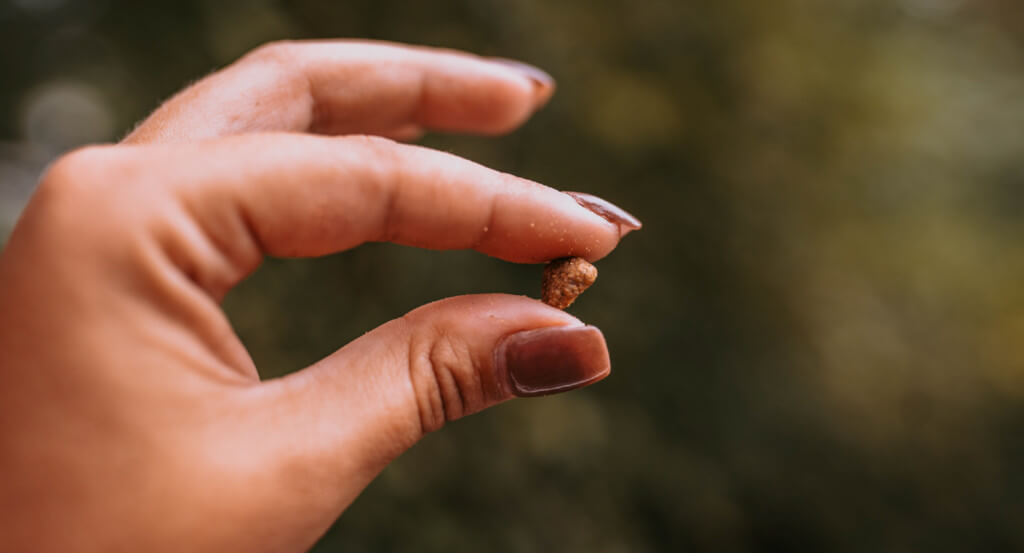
(818, 337)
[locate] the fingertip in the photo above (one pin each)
(485, 96)
(543, 84)
(624, 220)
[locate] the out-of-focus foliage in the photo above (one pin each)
(818, 337)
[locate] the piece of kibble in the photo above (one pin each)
(565, 279)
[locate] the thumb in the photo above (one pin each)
(356, 410)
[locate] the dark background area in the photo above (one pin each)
(817, 338)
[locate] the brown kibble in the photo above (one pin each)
(565, 279)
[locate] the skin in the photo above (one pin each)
(131, 416)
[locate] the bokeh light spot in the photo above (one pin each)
(63, 115)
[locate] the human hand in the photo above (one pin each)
(131, 416)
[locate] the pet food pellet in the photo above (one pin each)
(565, 279)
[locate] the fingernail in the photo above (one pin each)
(552, 360)
(542, 82)
(626, 222)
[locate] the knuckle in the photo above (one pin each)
(73, 174)
(278, 51)
(71, 211)
(445, 379)
(387, 157)
(449, 359)
(75, 189)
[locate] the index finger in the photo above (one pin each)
(299, 195)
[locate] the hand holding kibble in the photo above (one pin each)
(137, 421)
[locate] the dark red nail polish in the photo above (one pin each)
(626, 221)
(544, 83)
(554, 359)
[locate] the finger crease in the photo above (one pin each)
(417, 108)
(444, 361)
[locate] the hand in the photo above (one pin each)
(131, 416)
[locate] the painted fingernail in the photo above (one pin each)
(552, 360)
(543, 83)
(626, 222)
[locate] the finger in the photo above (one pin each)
(358, 409)
(301, 195)
(345, 87)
